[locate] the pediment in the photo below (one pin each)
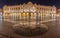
(30, 3)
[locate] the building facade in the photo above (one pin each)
(29, 13)
(58, 11)
(1, 14)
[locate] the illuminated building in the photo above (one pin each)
(29, 13)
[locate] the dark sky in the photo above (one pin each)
(42, 2)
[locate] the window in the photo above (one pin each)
(6, 8)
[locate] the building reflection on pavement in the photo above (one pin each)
(8, 32)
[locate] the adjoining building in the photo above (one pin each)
(58, 12)
(1, 13)
(29, 13)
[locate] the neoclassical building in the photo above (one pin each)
(32, 13)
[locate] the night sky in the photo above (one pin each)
(41, 2)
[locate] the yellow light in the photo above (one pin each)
(24, 14)
(32, 14)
